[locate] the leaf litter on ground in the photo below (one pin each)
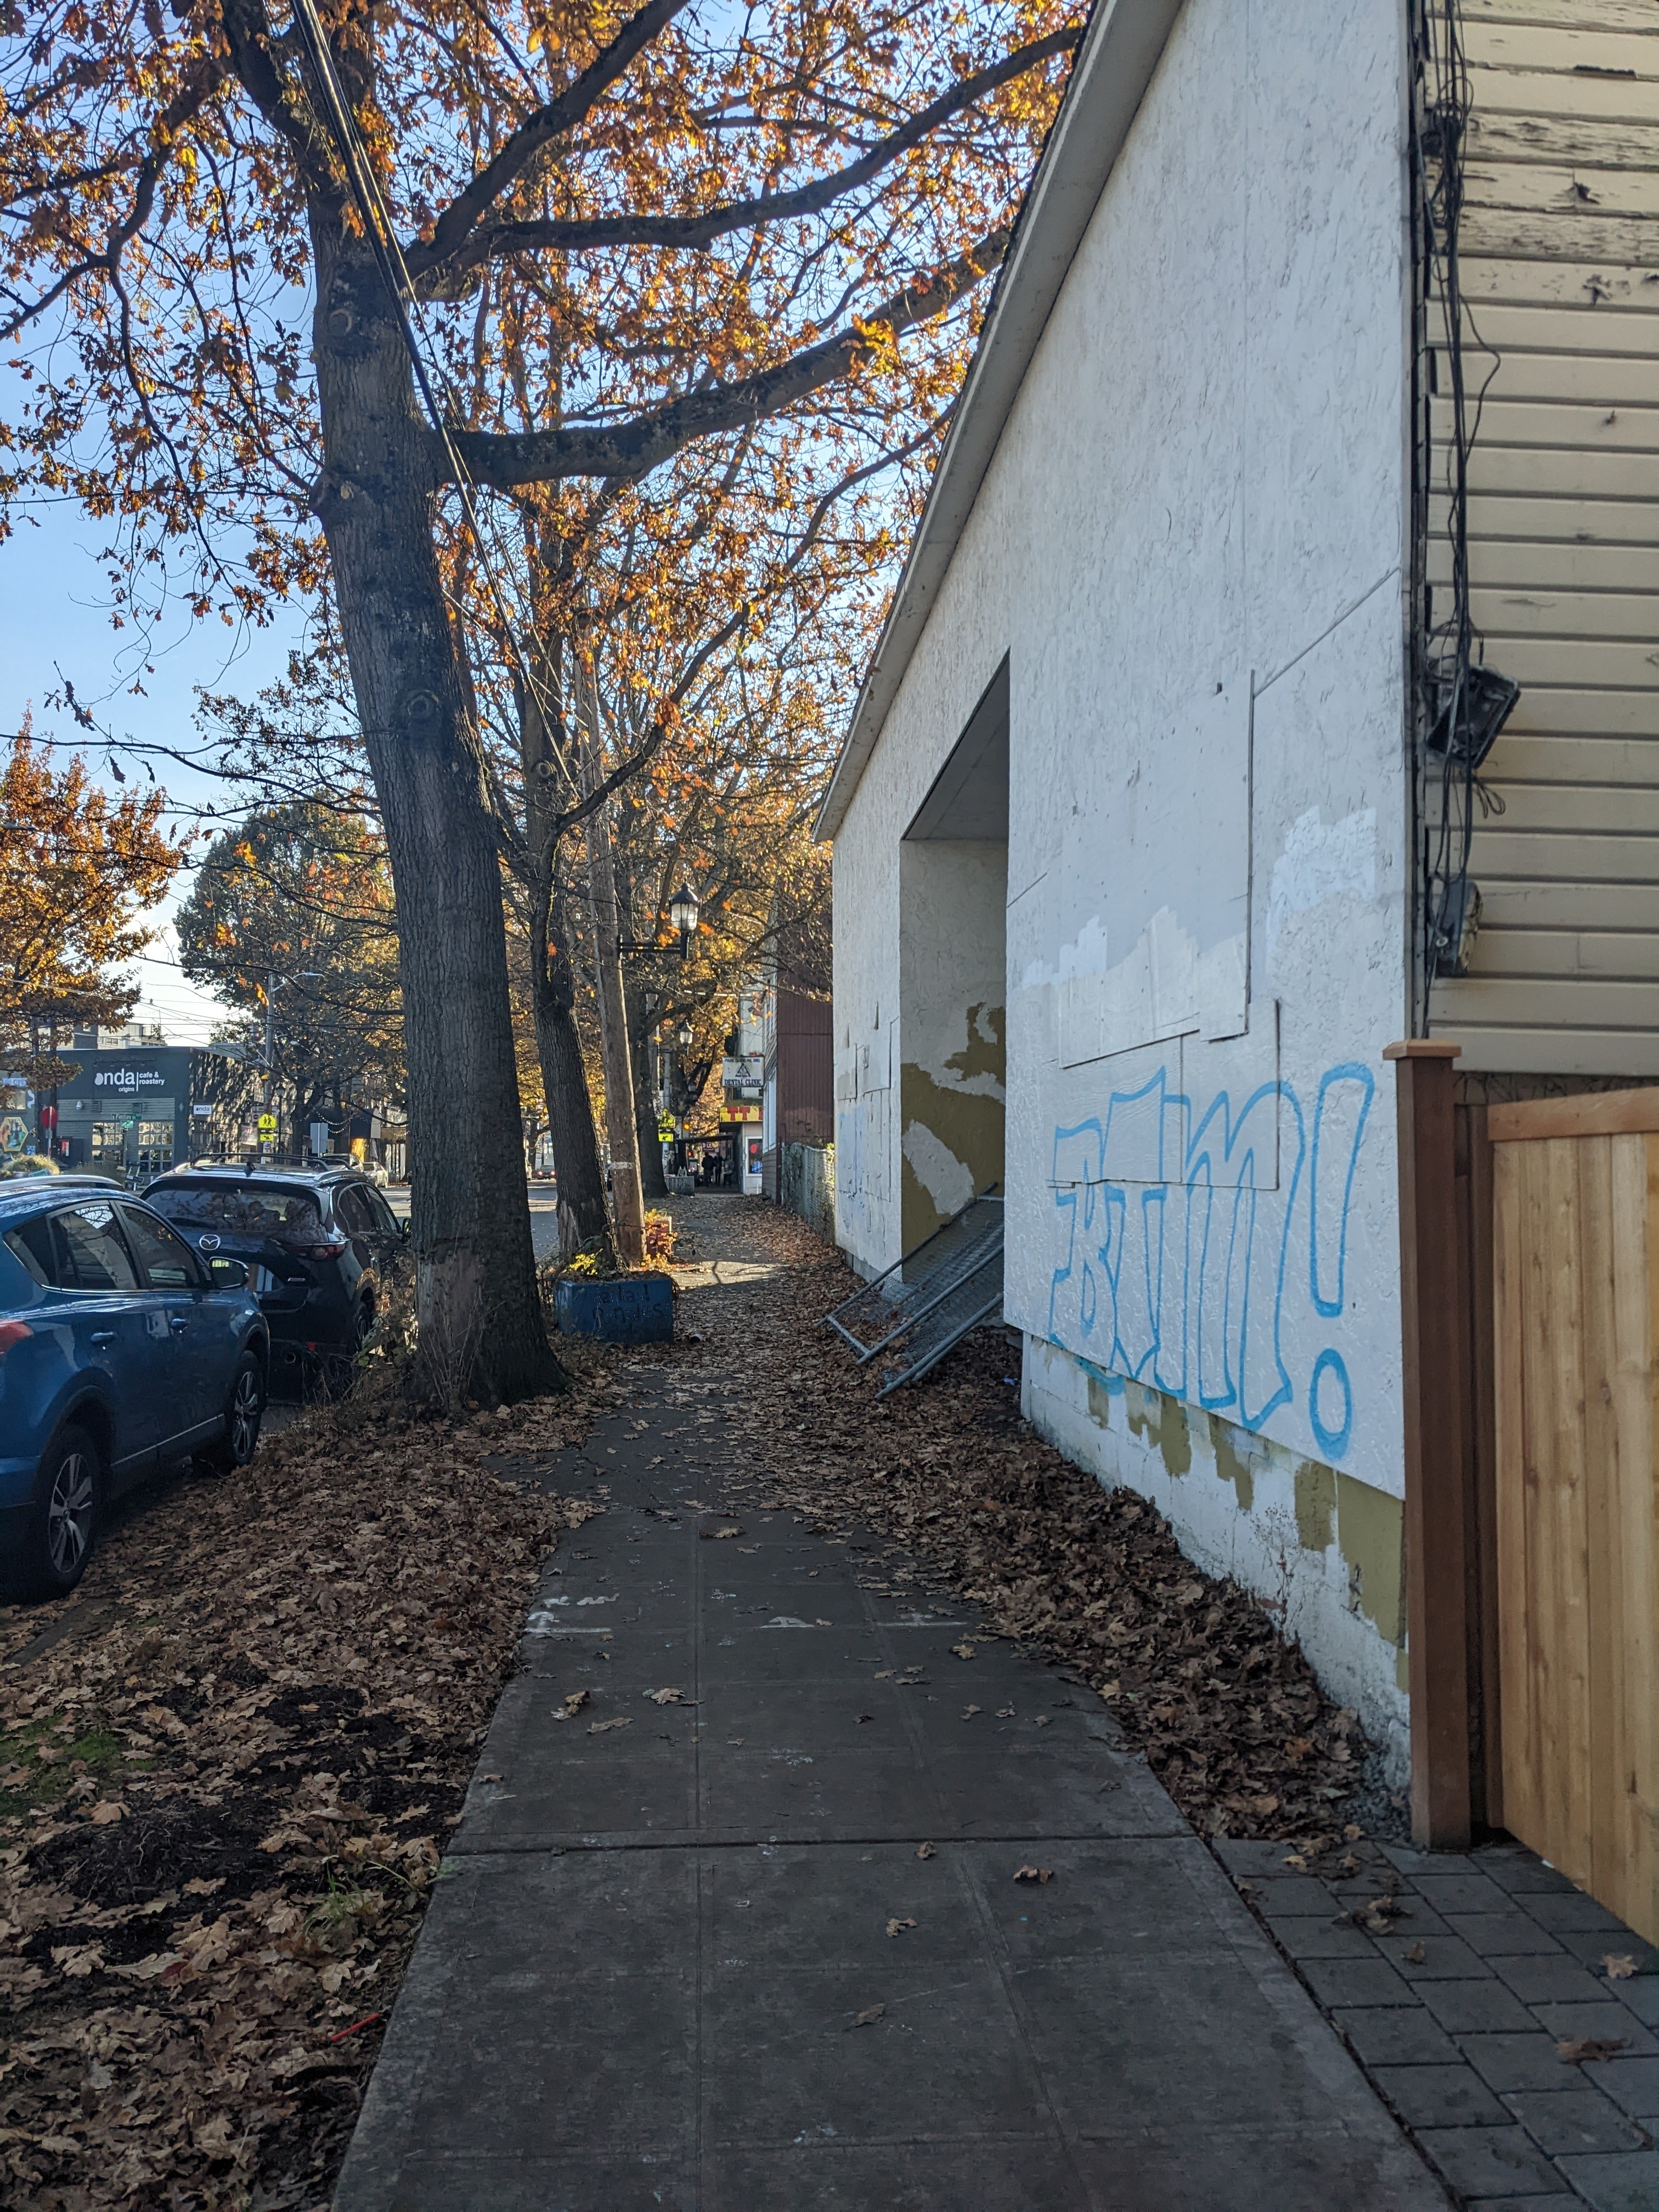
(967, 1497)
(223, 1805)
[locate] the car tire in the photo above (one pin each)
(245, 1408)
(64, 1518)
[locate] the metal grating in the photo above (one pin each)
(929, 1299)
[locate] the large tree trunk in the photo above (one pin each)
(582, 1217)
(653, 1188)
(628, 1210)
(477, 1303)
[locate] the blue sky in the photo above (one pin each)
(54, 614)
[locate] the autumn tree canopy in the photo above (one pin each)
(294, 909)
(333, 284)
(77, 875)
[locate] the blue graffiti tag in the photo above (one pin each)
(1182, 1277)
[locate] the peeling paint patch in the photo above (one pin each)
(1315, 1506)
(1161, 1421)
(983, 1060)
(1372, 1531)
(952, 1147)
(1232, 1460)
(929, 1163)
(1320, 861)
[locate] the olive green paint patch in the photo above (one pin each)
(985, 1052)
(1315, 1506)
(1402, 1670)
(1231, 1464)
(1370, 1528)
(969, 1125)
(1100, 1399)
(1161, 1421)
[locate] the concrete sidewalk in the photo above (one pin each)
(698, 1955)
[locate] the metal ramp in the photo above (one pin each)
(945, 1285)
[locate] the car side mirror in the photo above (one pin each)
(228, 1274)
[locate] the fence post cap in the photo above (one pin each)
(1422, 1049)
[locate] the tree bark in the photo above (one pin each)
(653, 1188)
(628, 1210)
(477, 1303)
(582, 1218)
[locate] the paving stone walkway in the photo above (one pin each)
(1486, 2015)
(734, 1919)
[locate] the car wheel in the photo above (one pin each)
(245, 1408)
(64, 1525)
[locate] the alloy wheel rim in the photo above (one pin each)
(244, 1415)
(68, 1514)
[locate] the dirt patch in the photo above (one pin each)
(1194, 1671)
(225, 1792)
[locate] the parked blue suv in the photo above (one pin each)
(120, 1352)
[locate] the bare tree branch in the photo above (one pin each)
(455, 225)
(506, 459)
(492, 241)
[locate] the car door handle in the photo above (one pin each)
(103, 1336)
(179, 1324)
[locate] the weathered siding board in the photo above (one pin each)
(1560, 274)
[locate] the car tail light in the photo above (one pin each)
(12, 1332)
(331, 1251)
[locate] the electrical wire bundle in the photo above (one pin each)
(1464, 704)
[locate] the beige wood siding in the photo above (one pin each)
(1560, 270)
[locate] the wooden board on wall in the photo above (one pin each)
(1575, 1326)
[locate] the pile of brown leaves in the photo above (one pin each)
(1194, 1670)
(225, 1790)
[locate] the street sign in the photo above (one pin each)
(14, 1133)
(267, 1124)
(201, 1110)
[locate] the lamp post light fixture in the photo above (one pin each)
(684, 1035)
(683, 912)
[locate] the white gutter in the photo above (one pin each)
(1113, 70)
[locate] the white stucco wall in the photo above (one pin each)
(1189, 545)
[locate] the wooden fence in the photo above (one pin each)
(1575, 1293)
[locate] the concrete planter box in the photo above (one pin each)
(628, 1309)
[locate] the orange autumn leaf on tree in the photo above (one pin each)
(76, 874)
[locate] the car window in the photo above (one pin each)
(350, 1211)
(168, 1261)
(384, 1219)
(241, 1209)
(31, 1242)
(91, 1255)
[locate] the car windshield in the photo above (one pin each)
(242, 1209)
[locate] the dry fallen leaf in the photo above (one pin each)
(1033, 1874)
(572, 1705)
(668, 1698)
(1416, 1955)
(716, 1535)
(963, 1651)
(1578, 2051)
(599, 1728)
(106, 1812)
(968, 1711)
(1004, 1712)
(1619, 1966)
(871, 2013)
(898, 1927)
(925, 1852)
